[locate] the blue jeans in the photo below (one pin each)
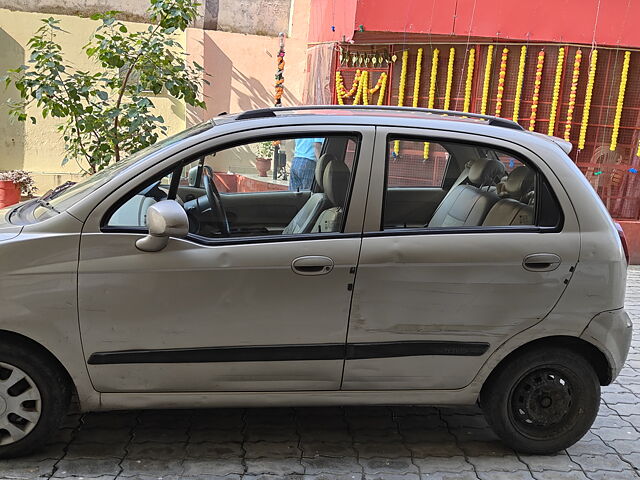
(303, 172)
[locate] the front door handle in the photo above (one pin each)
(541, 262)
(312, 265)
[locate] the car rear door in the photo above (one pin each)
(431, 304)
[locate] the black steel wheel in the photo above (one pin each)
(542, 400)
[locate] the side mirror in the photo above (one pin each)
(165, 219)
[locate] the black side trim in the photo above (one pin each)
(359, 351)
(328, 351)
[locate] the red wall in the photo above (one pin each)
(568, 21)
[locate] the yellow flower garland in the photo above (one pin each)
(416, 83)
(572, 96)
(501, 78)
(556, 92)
(447, 90)
(469, 82)
(518, 95)
(403, 82)
(383, 87)
(432, 92)
(365, 87)
(536, 92)
(339, 88)
(358, 97)
(587, 100)
(487, 79)
(623, 86)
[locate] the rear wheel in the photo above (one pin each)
(34, 397)
(543, 400)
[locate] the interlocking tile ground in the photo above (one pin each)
(364, 443)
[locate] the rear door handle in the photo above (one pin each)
(312, 265)
(541, 262)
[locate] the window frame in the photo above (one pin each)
(254, 137)
(525, 160)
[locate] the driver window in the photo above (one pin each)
(274, 186)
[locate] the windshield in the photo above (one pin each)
(69, 196)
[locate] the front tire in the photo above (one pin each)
(34, 398)
(542, 400)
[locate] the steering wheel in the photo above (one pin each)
(215, 203)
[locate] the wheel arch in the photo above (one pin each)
(592, 354)
(29, 343)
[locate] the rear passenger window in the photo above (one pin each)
(455, 185)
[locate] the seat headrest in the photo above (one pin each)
(519, 182)
(336, 182)
(485, 172)
(321, 164)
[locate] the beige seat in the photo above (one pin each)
(307, 216)
(511, 210)
(336, 185)
(469, 204)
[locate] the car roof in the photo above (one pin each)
(376, 115)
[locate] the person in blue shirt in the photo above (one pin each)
(303, 167)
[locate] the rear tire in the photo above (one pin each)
(34, 398)
(542, 400)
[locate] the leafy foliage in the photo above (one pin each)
(22, 179)
(265, 150)
(109, 114)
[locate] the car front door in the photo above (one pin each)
(433, 301)
(250, 311)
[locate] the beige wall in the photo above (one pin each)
(39, 148)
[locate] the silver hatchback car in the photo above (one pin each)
(412, 257)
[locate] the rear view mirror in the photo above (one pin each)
(165, 219)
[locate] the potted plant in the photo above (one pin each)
(264, 157)
(12, 184)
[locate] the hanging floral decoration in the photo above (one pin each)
(359, 90)
(432, 92)
(403, 83)
(623, 86)
(469, 82)
(382, 85)
(416, 83)
(518, 95)
(447, 89)
(339, 88)
(556, 92)
(536, 91)
(341, 91)
(280, 74)
(364, 81)
(501, 78)
(487, 79)
(587, 99)
(572, 95)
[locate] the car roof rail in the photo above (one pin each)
(271, 112)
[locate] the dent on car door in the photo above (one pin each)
(437, 300)
(244, 311)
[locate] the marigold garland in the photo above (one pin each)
(403, 82)
(501, 78)
(383, 88)
(339, 88)
(518, 95)
(416, 83)
(536, 91)
(364, 87)
(280, 74)
(378, 86)
(587, 99)
(572, 96)
(623, 86)
(432, 92)
(556, 92)
(487, 79)
(447, 90)
(469, 82)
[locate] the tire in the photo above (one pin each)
(542, 400)
(34, 385)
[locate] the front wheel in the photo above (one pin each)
(542, 400)
(34, 396)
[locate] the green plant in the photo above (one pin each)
(21, 179)
(265, 150)
(110, 113)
